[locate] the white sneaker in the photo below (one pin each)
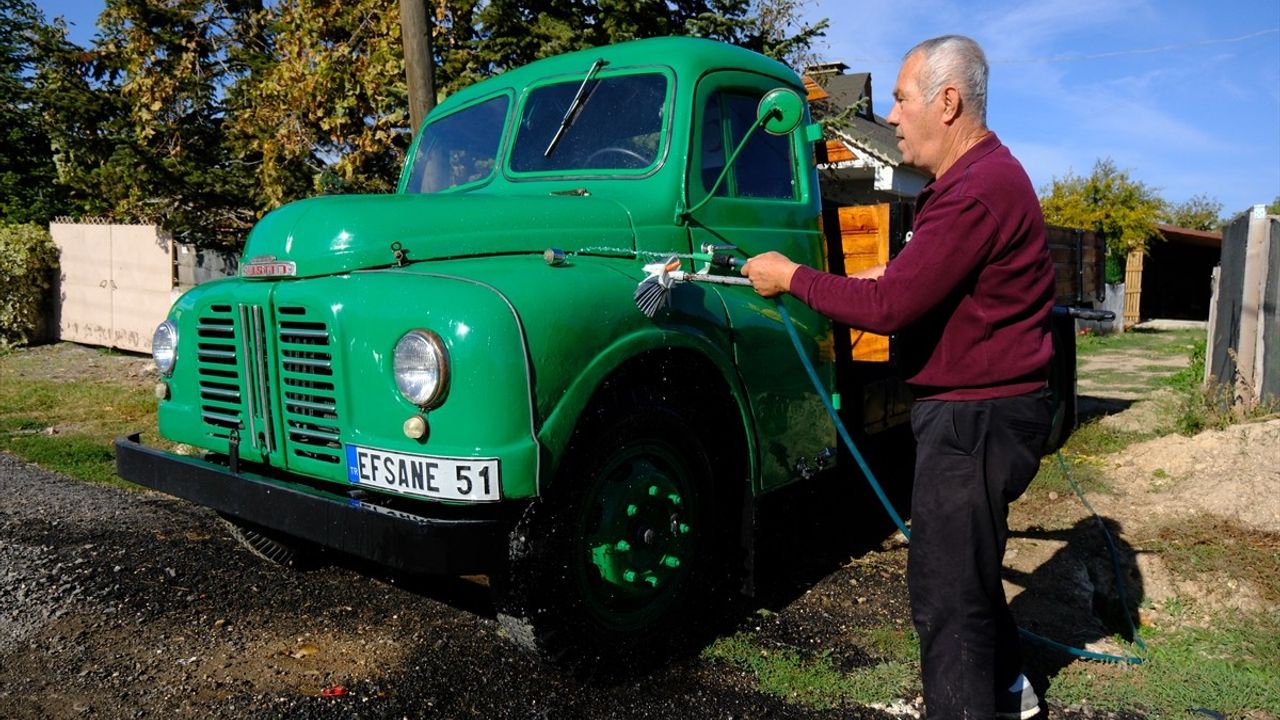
(1020, 702)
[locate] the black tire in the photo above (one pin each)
(589, 585)
(274, 547)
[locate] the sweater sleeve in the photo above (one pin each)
(951, 240)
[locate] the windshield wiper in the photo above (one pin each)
(571, 114)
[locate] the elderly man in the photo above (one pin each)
(971, 295)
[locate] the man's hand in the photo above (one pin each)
(770, 273)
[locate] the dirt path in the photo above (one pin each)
(1152, 495)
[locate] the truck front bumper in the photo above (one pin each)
(470, 540)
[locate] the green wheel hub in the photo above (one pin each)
(639, 534)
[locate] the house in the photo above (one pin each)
(1173, 280)
(862, 163)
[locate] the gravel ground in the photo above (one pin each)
(119, 604)
(116, 604)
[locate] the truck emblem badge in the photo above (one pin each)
(268, 266)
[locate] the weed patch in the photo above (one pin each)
(814, 681)
(1205, 546)
(1231, 668)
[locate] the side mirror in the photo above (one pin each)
(780, 111)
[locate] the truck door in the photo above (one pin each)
(768, 201)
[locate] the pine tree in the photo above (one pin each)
(29, 192)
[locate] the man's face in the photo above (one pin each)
(919, 124)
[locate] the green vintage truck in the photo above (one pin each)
(455, 378)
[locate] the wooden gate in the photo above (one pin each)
(864, 239)
(116, 283)
(1132, 289)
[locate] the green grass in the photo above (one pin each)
(1232, 667)
(1162, 342)
(815, 682)
(68, 426)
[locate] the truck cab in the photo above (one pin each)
(455, 378)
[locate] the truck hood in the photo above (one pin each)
(340, 233)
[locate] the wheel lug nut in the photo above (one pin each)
(649, 536)
(684, 529)
(652, 580)
(632, 510)
(622, 546)
(653, 490)
(629, 575)
(671, 561)
(675, 499)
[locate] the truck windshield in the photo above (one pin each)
(459, 149)
(617, 127)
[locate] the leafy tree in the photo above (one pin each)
(173, 60)
(1199, 212)
(138, 120)
(1123, 210)
(1274, 207)
(28, 189)
(514, 32)
(328, 110)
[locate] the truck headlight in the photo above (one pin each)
(422, 368)
(164, 347)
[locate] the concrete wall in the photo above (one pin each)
(1242, 353)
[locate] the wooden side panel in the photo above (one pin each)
(837, 151)
(1133, 289)
(142, 278)
(864, 237)
(1078, 259)
(85, 280)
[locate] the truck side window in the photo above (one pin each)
(460, 148)
(764, 169)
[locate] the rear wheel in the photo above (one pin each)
(274, 547)
(620, 560)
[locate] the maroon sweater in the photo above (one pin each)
(970, 294)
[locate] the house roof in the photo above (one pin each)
(865, 129)
(1187, 236)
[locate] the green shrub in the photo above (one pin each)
(27, 258)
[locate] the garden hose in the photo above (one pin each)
(906, 533)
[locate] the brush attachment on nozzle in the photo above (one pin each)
(654, 292)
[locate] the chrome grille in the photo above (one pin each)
(253, 363)
(309, 397)
(221, 386)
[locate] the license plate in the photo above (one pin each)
(427, 476)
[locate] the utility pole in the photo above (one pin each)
(419, 71)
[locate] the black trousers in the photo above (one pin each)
(973, 458)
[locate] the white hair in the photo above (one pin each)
(955, 60)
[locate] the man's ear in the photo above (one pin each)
(951, 104)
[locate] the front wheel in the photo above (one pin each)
(621, 558)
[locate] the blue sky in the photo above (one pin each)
(1184, 94)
